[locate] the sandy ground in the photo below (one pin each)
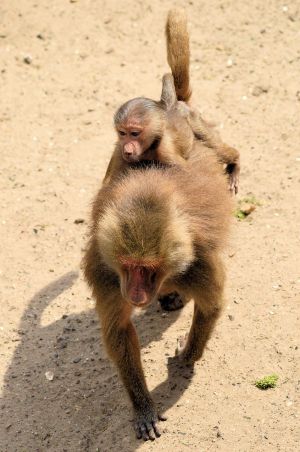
(65, 66)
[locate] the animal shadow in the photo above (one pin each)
(61, 392)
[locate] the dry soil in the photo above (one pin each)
(65, 66)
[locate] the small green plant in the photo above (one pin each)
(267, 382)
(251, 200)
(239, 214)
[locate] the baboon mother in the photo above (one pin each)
(157, 230)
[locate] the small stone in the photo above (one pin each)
(247, 208)
(79, 220)
(27, 59)
(259, 89)
(218, 432)
(61, 345)
(231, 317)
(49, 375)
(76, 360)
(40, 36)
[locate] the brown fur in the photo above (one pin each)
(226, 154)
(171, 124)
(172, 221)
(178, 52)
(164, 133)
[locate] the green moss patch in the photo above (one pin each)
(267, 382)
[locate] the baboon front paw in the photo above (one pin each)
(145, 424)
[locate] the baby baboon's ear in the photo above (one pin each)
(168, 94)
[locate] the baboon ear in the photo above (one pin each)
(168, 94)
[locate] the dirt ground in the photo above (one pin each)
(65, 66)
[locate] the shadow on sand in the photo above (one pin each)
(84, 407)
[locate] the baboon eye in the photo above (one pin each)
(135, 134)
(122, 133)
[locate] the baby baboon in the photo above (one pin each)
(166, 130)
